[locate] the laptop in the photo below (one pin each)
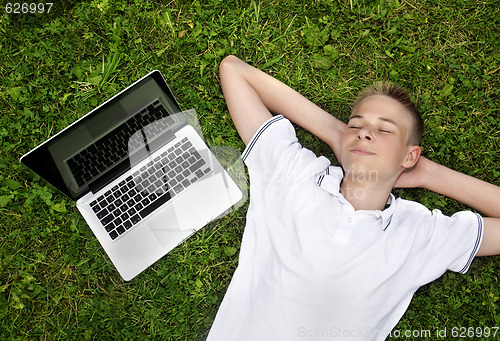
(140, 173)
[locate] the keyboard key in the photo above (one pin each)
(135, 219)
(199, 173)
(110, 227)
(151, 189)
(102, 213)
(157, 203)
(113, 235)
(196, 165)
(107, 219)
(158, 183)
(178, 188)
(195, 153)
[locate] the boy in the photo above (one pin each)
(329, 252)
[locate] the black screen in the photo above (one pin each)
(98, 147)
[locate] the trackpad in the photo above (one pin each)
(175, 222)
(203, 202)
(211, 197)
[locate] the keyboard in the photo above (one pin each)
(140, 194)
(118, 144)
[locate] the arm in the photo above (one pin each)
(251, 95)
(477, 194)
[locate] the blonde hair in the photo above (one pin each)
(401, 95)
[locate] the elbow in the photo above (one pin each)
(228, 61)
(228, 65)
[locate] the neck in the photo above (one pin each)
(365, 195)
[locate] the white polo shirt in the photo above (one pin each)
(311, 267)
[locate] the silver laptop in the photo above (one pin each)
(142, 177)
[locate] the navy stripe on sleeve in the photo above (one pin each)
(258, 134)
(476, 245)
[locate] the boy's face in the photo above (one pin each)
(374, 145)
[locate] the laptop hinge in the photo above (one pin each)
(159, 141)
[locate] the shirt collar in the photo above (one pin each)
(330, 181)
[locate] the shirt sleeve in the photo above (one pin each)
(448, 243)
(274, 154)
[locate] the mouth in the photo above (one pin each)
(362, 151)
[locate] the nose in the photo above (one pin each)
(365, 134)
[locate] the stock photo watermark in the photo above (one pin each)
(359, 176)
(445, 333)
(28, 7)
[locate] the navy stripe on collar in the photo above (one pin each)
(320, 180)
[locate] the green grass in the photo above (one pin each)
(55, 280)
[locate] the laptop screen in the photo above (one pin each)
(99, 146)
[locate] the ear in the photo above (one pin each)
(412, 156)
